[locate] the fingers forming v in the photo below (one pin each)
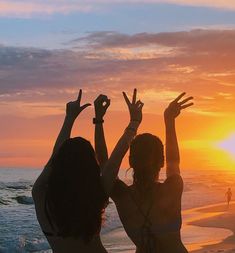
(126, 99)
(185, 106)
(185, 100)
(179, 97)
(134, 96)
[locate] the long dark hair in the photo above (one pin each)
(146, 159)
(75, 196)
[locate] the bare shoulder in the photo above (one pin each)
(174, 180)
(172, 187)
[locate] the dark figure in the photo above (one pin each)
(70, 194)
(151, 211)
(228, 194)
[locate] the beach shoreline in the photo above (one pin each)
(198, 226)
(21, 232)
(224, 218)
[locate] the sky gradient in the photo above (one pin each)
(51, 49)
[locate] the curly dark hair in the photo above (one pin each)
(75, 196)
(146, 158)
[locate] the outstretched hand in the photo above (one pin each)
(175, 107)
(101, 104)
(135, 107)
(74, 108)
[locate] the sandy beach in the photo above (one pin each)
(205, 229)
(221, 217)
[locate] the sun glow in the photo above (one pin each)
(228, 145)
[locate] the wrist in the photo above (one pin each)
(70, 118)
(134, 124)
(170, 124)
(99, 117)
(131, 129)
(98, 120)
(169, 119)
(135, 120)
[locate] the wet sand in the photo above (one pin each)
(224, 218)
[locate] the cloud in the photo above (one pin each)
(199, 39)
(229, 4)
(26, 8)
(35, 84)
(161, 65)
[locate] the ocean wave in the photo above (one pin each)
(11, 250)
(187, 188)
(18, 186)
(26, 200)
(36, 245)
(4, 202)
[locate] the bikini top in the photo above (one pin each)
(169, 198)
(149, 233)
(148, 239)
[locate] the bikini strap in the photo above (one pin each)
(148, 239)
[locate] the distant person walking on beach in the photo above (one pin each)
(228, 194)
(70, 194)
(151, 211)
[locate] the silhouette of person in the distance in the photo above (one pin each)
(228, 195)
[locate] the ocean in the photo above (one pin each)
(20, 231)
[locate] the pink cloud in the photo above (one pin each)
(27, 8)
(200, 61)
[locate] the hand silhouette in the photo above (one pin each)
(175, 107)
(101, 104)
(74, 108)
(135, 107)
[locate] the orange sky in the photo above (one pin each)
(159, 65)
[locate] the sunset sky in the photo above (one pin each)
(51, 49)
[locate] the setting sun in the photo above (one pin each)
(228, 145)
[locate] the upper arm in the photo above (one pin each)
(174, 186)
(109, 175)
(113, 164)
(119, 189)
(40, 185)
(172, 168)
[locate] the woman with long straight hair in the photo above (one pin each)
(150, 211)
(71, 193)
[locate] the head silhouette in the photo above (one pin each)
(146, 158)
(75, 197)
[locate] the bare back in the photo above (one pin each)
(58, 243)
(155, 215)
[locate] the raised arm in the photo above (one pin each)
(101, 105)
(112, 166)
(73, 109)
(172, 149)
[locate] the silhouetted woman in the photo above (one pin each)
(70, 194)
(151, 211)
